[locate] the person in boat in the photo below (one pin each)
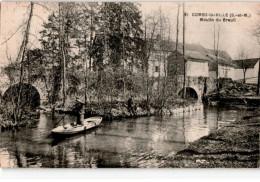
(130, 106)
(80, 111)
(53, 110)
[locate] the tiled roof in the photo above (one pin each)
(221, 54)
(221, 61)
(197, 56)
(196, 52)
(246, 63)
(191, 55)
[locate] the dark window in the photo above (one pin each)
(156, 68)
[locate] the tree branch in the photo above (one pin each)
(14, 32)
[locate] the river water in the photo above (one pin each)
(141, 142)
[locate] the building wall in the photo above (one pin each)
(197, 69)
(156, 65)
(226, 72)
(223, 72)
(212, 74)
(251, 74)
(254, 79)
(239, 74)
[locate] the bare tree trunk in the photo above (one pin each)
(85, 72)
(177, 32)
(64, 76)
(22, 51)
(244, 71)
(61, 41)
(145, 65)
(20, 58)
(175, 81)
(123, 53)
(91, 39)
(184, 64)
(216, 51)
(160, 60)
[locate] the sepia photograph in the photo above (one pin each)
(129, 84)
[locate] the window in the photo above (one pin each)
(157, 56)
(157, 69)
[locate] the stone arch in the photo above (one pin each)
(193, 92)
(30, 95)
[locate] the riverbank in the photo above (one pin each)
(29, 120)
(119, 110)
(234, 94)
(233, 146)
(115, 110)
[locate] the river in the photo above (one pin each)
(141, 142)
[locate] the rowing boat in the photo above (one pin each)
(72, 129)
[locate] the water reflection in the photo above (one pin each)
(142, 142)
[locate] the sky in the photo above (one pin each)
(233, 35)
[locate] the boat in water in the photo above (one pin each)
(73, 128)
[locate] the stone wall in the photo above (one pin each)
(198, 84)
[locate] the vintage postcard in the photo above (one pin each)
(129, 84)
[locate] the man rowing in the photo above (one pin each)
(79, 110)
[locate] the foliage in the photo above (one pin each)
(103, 51)
(97, 37)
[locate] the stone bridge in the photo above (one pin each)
(196, 85)
(39, 86)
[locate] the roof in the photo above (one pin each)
(196, 55)
(170, 46)
(208, 53)
(198, 48)
(199, 56)
(221, 54)
(221, 61)
(195, 52)
(246, 63)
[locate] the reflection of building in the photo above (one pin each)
(249, 67)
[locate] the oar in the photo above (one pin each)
(64, 116)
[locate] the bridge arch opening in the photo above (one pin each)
(190, 93)
(30, 97)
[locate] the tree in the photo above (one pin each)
(183, 50)
(121, 29)
(57, 40)
(156, 47)
(18, 102)
(90, 38)
(88, 32)
(216, 36)
(177, 29)
(148, 43)
(242, 56)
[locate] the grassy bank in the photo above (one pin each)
(233, 146)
